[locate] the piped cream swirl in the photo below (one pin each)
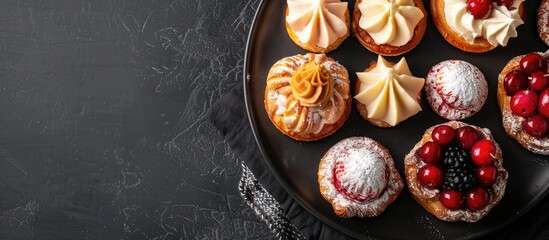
(317, 22)
(390, 92)
(497, 28)
(390, 22)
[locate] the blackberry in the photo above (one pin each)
(460, 179)
(455, 156)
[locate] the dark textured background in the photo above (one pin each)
(103, 127)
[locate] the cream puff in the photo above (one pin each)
(358, 177)
(307, 96)
(317, 26)
(455, 89)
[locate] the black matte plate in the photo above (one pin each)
(295, 163)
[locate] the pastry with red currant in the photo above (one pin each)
(477, 25)
(389, 27)
(523, 97)
(543, 21)
(455, 89)
(358, 177)
(455, 172)
(317, 26)
(307, 97)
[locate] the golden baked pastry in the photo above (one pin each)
(317, 26)
(513, 123)
(475, 39)
(307, 96)
(358, 177)
(443, 172)
(385, 32)
(387, 94)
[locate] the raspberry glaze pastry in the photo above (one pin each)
(455, 172)
(317, 26)
(477, 25)
(389, 27)
(307, 96)
(543, 21)
(455, 89)
(523, 97)
(358, 177)
(387, 94)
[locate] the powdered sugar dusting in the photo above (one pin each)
(362, 146)
(456, 89)
(543, 21)
(363, 172)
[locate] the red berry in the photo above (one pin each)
(451, 199)
(430, 176)
(467, 136)
(443, 134)
(430, 152)
(483, 152)
(543, 103)
(479, 8)
(486, 175)
(515, 81)
(477, 198)
(536, 126)
(532, 62)
(524, 103)
(538, 82)
(506, 3)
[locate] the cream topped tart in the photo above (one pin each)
(317, 25)
(389, 27)
(387, 94)
(307, 96)
(358, 177)
(477, 25)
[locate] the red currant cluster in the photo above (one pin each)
(481, 9)
(529, 91)
(472, 190)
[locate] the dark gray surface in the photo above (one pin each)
(103, 127)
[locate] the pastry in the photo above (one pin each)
(543, 21)
(477, 25)
(455, 89)
(307, 96)
(317, 26)
(523, 97)
(387, 93)
(455, 172)
(389, 27)
(358, 177)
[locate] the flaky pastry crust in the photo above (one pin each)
(429, 198)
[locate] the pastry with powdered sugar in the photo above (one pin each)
(358, 177)
(543, 21)
(455, 89)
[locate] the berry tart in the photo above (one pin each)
(389, 27)
(543, 21)
(317, 26)
(387, 93)
(455, 89)
(455, 172)
(358, 177)
(523, 97)
(307, 96)
(477, 25)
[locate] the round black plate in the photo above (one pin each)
(295, 163)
